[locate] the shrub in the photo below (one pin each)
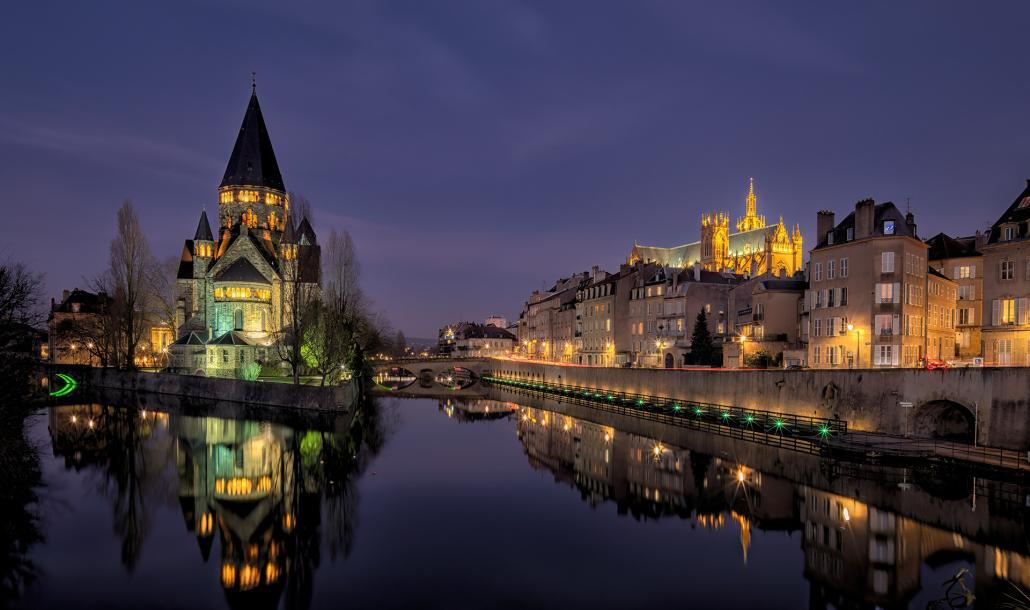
(250, 371)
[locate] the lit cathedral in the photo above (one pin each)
(234, 284)
(755, 248)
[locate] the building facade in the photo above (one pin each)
(236, 284)
(867, 290)
(1006, 286)
(754, 248)
(961, 260)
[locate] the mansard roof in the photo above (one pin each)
(203, 228)
(242, 270)
(881, 212)
(944, 246)
(252, 162)
(1018, 213)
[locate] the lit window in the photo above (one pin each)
(888, 227)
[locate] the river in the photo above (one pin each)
(509, 501)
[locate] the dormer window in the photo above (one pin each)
(888, 227)
(849, 234)
(1009, 233)
(829, 238)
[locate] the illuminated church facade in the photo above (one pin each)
(754, 248)
(234, 283)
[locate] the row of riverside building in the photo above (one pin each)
(873, 294)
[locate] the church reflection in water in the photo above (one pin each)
(858, 554)
(259, 488)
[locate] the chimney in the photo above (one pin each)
(910, 222)
(823, 225)
(65, 295)
(864, 212)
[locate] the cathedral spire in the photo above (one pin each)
(252, 162)
(750, 220)
(203, 229)
(751, 209)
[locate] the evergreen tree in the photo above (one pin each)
(702, 348)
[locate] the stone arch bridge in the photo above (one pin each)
(431, 377)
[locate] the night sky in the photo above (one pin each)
(478, 150)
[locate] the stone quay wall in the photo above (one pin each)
(997, 399)
(312, 398)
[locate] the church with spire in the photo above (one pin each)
(754, 248)
(236, 277)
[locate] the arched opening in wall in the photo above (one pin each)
(237, 319)
(668, 361)
(264, 321)
(943, 419)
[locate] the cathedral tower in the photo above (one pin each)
(252, 191)
(751, 219)
(715, 241)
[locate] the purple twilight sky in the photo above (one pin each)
(478, 150)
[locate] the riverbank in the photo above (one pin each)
(302, 397)
(991, 405)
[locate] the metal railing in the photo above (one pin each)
(674, 410)
(888, 445)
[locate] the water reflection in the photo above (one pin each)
(857, 555)
(268, 504)
(261, 489)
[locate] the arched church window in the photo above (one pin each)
(273, 221)
(237, 319)
(250, 219)
(264, 321)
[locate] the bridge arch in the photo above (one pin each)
(944, 419)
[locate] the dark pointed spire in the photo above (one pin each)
(289, 235)
(307, 234)
(253, 161)
(203, 229)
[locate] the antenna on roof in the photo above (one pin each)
(908, 205)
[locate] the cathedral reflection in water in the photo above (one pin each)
(258, 487)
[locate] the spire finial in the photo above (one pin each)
(253, 83)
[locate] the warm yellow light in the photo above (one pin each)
(851, 327)
(228, 575)
(847, 515)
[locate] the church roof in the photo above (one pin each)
(252, 162)
(203, 228)
(242, 270)
(189, 339)
(289, 235)
(229, 338)
(306, 232)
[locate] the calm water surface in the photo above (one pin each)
(514, 502)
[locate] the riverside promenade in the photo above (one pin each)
(976, 406)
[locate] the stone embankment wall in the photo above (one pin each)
(333, 398)
(997, 399)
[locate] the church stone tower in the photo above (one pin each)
(715, 241)
(233, 284)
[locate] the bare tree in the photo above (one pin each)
(164, 292)
(300, 208)
(400, 344)
(130, 272)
